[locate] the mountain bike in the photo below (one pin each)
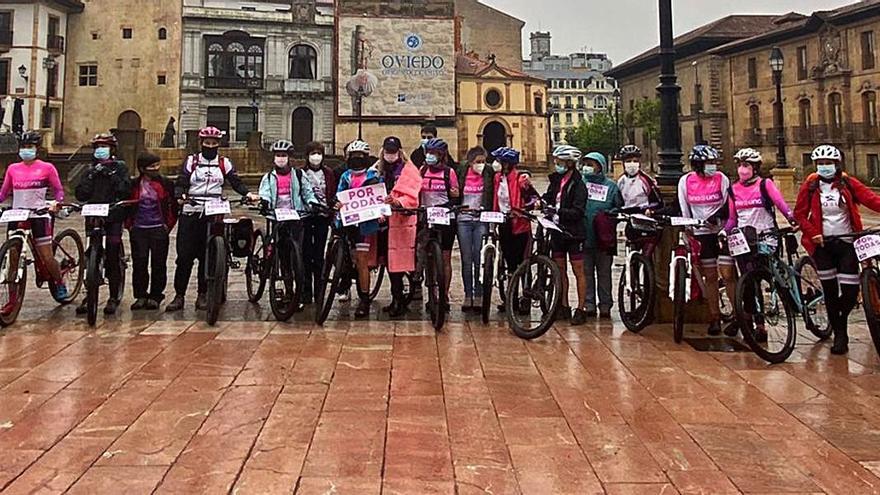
(637, 289)
(682, 270)
(867, 246)
(493, 271)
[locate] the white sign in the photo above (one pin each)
(737, 244)
(867, 247)
(362, 204)
(597, 192)
(548, 224)
(29, 199)
(286, 214)
(96, 210)
(15, 216)
(492, 217)
(683, 221)
(217, 207)
(437, 215)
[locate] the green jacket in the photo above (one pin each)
(613, 200)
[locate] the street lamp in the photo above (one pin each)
(698, 105)
(22, 71)
(616, 96)
(49, 64)
(670, 133)
(254, 107)
(777, 63)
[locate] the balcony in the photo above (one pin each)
(308, 86)
(581, 106)
(569, 106)
(233, 83)
(865, 132)
(753, 137)
(55, 44)
(803, 135)
(5, 40)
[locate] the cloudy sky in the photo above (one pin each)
(624, 28)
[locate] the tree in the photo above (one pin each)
(645, 115)
(595, 134)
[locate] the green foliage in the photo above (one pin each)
(596, 134)
(646, 116)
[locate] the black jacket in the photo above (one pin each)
(573, 204)
(105, 183)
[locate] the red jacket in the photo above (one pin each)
(808, 209)
(165, 191)
(521, 194)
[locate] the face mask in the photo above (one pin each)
(153, 174)
(826, 171)
(424, 142)
(745, 173)
(496, 166)
(315, 159)
(710, 170)
(209, 153)
(432, 160)
(358, 163)
(561, 169)
(102, 153)
(27, 154)
(282, 161)
(391, 157)
(631, 168)
(479, 167)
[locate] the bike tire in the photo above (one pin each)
(753, 279)
(330, 280)
(488, 282)
(254, 270)
(70, 263)
(94, 277)
(636, 319)
(377, 276)
(808, 292)
(870, 285)
(678, 297)
(123, 267)
(284, 306)
(215, 278)
(547, 273)
(17, 287)
(435, 283)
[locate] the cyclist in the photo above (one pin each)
(639, 190)
(568, 194)
(404, 183)
(316, 227)
(476, 182)
(702, 195)
(149, 227)
(202, 174)
(828, 205)
(440, 188)
(428, 133)
(107, 181)
(28, 181)
(358, 174)
(600, 245)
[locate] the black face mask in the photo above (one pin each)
(209, 153)
(153, 174)
(358, 162)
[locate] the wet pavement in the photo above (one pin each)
(156, 403)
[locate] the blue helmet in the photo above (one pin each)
(506, 155)
(437, 144)
(703, 153)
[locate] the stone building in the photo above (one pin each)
(33, 57)
(124, 68)
(262, 66)
(498, 106)
(488, 31)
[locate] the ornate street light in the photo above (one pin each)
(670, 132)
(777, 63)
(22, 71)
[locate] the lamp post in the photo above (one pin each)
(550, 141)
(22, 71)
(616, 96)
(49, 64)
(698, 106)
(777, 63)
(670, 133)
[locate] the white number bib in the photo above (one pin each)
(286, 214)
(217, 207)
(96, 210)
(738, 244)
(15, 216)
(867, 247)
(492, 217)
(548, 224)
(597, 192)
(438, 215)
(683, 221)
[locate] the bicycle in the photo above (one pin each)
(867, 246)
(774, 292)
(15, 256)
(536, 284)
(636, 290)
(493, 271)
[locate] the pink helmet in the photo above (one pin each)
(210, 132)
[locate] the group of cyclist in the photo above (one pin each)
(581, 199)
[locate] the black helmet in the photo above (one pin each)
(30, 137)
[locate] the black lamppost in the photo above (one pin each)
(670, 133)
(698, 106)
(616, 96)
(549, 115)
(777, 63)
(49, 64)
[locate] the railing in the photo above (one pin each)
(753, 137)
(55, 43)
(306, 86)
(233, 83)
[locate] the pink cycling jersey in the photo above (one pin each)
(701, 197)
(38, 174)
(747, 206)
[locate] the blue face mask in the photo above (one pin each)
(431, 160)
(102, 153)
(561, 169)
(27, 154)
(710, 170)
(826, 171)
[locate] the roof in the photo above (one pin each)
(716, 33)
(469, 65)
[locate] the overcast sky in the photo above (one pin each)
(624, 28)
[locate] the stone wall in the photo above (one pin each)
(486, 30)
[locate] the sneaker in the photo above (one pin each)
(176, 304)
(363, 309)
(112, 305)
(579, 317)
(151, 304)
(345, 296)
(605, 314)
(61, 292)
(306, 299)
(591, 313)
(139, 304)
(82, 309)
(714, 328)
(468, 305)
(841, 343)
(202, 302)
(563, 312)
(398, 310)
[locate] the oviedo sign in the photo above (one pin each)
(413, 64)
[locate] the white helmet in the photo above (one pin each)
(826, 152)
(357, 145)
(749, 155)
(567, 153)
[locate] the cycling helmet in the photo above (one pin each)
(210, 132)
(629, 151)
(30, 137)
(282, 146)
(357, 145)
(826, 152)
(436, 144)
(506, 155)
(703, 153)
(567, 153)
(749, 155)
(104, 139)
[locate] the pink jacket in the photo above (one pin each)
(402, 228)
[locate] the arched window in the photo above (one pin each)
(234, 60)
(163, 33)
(302, 62)
(835, 110)
(805, 112)
(869, 108)
(754, 118)
(600, 102)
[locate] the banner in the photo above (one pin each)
(363, 204)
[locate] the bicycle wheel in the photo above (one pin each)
(533, 296)
(678, 299)
(435, 283)
(67, 248)
(377, 275)
(761, 302)
(283, 284)
(123, 267)
(815, 313)
(254, 269)
(215, 277)
(636, 303)
(14, 281)
(94, 276)
(870, 282)
(487, 281)
(330, 280)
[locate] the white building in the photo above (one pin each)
(32, 35)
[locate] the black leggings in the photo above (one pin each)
(838, 269)
(513, 247)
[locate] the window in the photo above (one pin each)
(161, 79)
(539, 105)
(4, 76)
(163, 34)
(556, 118)
(802, 69)
(556, 101)
(869, 108)
(493, 98)
(754, 118)
(88, 75)
(600, 102)
(6, 28)
(873, 165)
(580, 102)
(568, 119)
(568, 102)
(219, 117)
(95, 35)
(245, 122)
(835, 110)
(52, 82)
(753, 73)
(302, 62)
(126, 33)
(581, 117)
(807, 160)
(867, 38)
(53, 41)
(556, 136)
(805, 112)
(234, 60)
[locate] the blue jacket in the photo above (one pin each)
(373, 177)
(613, 200)
(301, 193)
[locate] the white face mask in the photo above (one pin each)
(316, 159)
(496, 166)
(479, 167)
(281, 161)
(391, 157)
(631, 168)
(710, 169)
